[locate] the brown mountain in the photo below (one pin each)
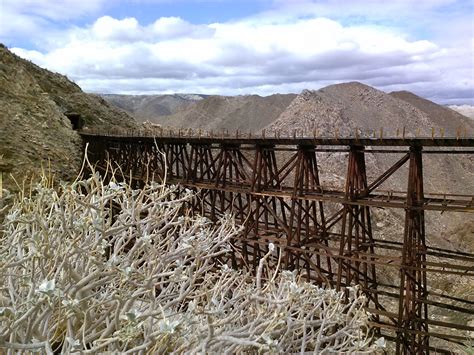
(440, 115)
(35, 130)
(350, 106)
(249, 112)
(150, 107)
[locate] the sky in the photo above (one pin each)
(248, 47)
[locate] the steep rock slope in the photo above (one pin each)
(35, 133)
(249, 112)
(150, 107)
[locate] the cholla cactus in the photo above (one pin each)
(94, 267)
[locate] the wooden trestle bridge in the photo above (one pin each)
(272, 186)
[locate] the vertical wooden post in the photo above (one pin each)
(412, 308)
(356, 231)
(307, 223)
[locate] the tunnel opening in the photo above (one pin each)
(76, 120)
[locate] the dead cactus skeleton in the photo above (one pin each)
(79, 275)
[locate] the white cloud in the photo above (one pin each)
(277, 51)
(174, 27)
(107, 28)
(258, 54)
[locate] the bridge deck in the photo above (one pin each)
(269, 140)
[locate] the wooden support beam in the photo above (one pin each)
(413, 313)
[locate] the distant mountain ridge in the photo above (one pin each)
(149, 107)
(353, 105)
(244, 112)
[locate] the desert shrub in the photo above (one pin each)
(94, 267)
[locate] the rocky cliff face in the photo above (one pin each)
(35, 131)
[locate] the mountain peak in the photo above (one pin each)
(349, 106)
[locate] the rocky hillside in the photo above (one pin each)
(35, 131)
(439, 115)
(150, 107)
(354, 105)
(249, 112)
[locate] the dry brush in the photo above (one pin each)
(99, 267)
